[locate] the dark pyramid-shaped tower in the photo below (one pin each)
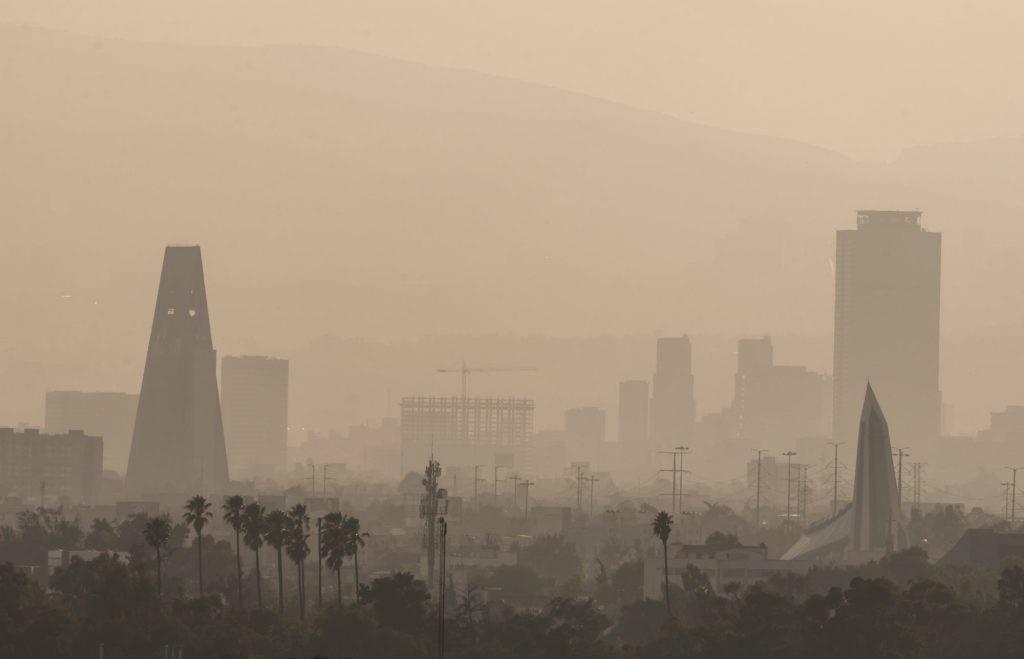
(178, 445)
(877, 521)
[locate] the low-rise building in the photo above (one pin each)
(745, 565)
(66, 465)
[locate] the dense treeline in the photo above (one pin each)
(107, 602)
(543, 607)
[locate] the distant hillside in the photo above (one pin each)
(345, 194)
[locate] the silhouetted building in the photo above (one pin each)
(106, 414)
(178, 442)
(634, 403)
(872, 524)
(673, 407)
(777, 405)
(463, 431)
(585, 424)
(887, 324)
(63, 464)
(985, 548)
(741, 564)
(1005, 426)
(254, 399)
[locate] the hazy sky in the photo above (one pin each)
(867, 78)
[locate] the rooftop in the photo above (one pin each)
(888, 218)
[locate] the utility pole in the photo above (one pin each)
(319, 562)
(515, 489)
(899, 476)
(835, 478)
(675, 470)
(757, 518)
(325, 478)
(1013, 496)
(1006, 499)
(579, 487)
(312, 479)
(683, 450)
(789, 481)
(917, 484)
(496, 468)
(592, 480)
(42, 494)
(442, 528)
(526, 498)
(476, 483)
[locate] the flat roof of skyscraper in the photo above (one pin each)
(877, 217)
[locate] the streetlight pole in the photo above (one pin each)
(757, 514)
(789, 481)
(1013, 496)
(835, 478)
(526, 499)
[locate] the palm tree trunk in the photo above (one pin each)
(159, 575)
(355, 555)
(337, 571)
(668, 599)
(200, 563)
(298, 574)
(238, 564)
(280, 582)
(259, 582)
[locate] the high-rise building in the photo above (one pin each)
(106, 414)
(887, 324)
(672, 406)
(634, 407)
(254, 401)
(178, 441)
(774, 406)
(585, 424)
(52, 464)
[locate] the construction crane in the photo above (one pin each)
(466, 370)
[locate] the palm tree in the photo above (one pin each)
(333, 542)
(233, 507)
(662, 527)
(298, 549)
(353, 541)
(197, 514)
(276, 534)
(157, 533)
(253, 523)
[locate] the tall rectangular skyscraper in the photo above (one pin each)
(634, 408)
(673, 407)
(178, 441)
(887, 325)
(254, 399)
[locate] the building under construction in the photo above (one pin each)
(463, 430)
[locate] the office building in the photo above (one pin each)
(887, 324)
(178, 441)
(254, 401)
(106, 414)
(34, 465)
(673, 407)
(775, 406)
(634, 407)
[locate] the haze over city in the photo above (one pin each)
(603, 260)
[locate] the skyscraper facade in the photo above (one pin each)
(673, 407)
(254, 400)
(178, 440)
(106, 414)
(634, 409)
(887, 325)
